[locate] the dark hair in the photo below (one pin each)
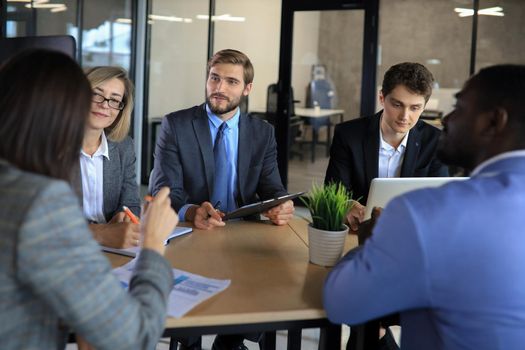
(501, 86)
(44, 103)
(414, 76)
(233, 57)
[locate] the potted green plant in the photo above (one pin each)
(328, 206)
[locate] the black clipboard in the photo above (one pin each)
(259, 207)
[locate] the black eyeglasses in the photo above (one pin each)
(115, 104)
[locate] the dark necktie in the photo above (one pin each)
(220, 182)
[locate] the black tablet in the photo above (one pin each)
(259, 207)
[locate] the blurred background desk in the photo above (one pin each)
(318, 118)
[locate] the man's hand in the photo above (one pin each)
(281, 214)
(355, 216)
(116, 235)
(365, 230)
(204, 217)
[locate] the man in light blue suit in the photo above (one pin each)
(451, 260)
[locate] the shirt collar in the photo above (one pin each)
(501, 156)
(103, 148)
(231, 123)
(386, 146)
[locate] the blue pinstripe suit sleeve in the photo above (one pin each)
(62, 265)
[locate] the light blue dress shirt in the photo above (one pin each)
(231, 134)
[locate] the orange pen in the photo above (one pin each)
(132, 216)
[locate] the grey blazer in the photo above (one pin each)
(119, 183)
(54, 279)
(184, 159)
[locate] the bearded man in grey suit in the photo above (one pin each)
(184, 154)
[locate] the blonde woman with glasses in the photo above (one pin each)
(107, 160)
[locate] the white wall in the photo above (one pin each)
(178, 50)
(178, 57)
(305, 44)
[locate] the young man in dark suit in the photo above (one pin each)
(184, 155)
(212, 153)
(391, 143)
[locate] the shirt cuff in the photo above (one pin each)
(182, 211)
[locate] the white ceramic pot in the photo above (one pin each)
(325, 247)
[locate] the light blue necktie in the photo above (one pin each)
(221, 191)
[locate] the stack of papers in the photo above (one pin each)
(132, 252)
(188, 291)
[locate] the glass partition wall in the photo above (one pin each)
(436, 33)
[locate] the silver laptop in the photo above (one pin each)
(382, 190)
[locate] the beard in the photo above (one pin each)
(231, 104)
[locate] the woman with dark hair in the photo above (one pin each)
(107, 160)
(53, 277)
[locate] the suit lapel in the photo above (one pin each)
(244, 153)
(201, 129)
(371, 149)
(108, 170)
(411, 153)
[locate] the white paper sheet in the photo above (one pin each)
(132, 252)
(188, 290)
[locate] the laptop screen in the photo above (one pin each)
(382, 190)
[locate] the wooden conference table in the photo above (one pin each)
(273, 286)
(318, 118)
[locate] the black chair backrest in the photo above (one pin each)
(271, 102)
(11, 46)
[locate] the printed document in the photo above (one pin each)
(188, 291)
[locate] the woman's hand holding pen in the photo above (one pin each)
(158, 221)
(206, 216)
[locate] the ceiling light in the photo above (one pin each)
(226, 18)
(489, 11)
(44, 6)
(59, 9)
(170, 18)
(123, 20)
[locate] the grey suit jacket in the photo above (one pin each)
(54, 278)
(120, 181)
(119, 184)
(184, 159)
(354, 154)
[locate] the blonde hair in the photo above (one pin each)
(98, 75)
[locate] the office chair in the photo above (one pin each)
(11, 46)
(295, 129)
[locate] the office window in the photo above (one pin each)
(433, 34)
(106, 34)
(41, 18)
(253, 27)
(501, 33)
(177, 69)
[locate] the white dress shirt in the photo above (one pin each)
(91, 168)
(390, 158)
